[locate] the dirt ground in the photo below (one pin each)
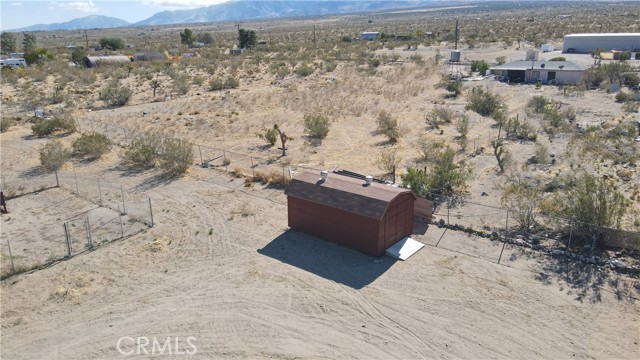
(221, 266)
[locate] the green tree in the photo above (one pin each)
(78, 54)
(247, 38)
(53, 155)
(38, 56)
(112, 43)
(29, 42)
(480, 65)
(7, 42)
(187, 37)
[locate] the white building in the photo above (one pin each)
(545, 72)
(586, 43)
(369, 35)
(14, 63)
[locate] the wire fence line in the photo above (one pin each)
(547, 229)
(75, 214)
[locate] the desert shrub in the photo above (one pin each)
(541, 155)
(181, 84)
(53, 155)
(388, 162)
(114, 94)
(501, 60)
(440, 115)
(520, 130)
(60, 122)
(524, 202)
(631, 107)
(57, 96)
(454, 87)
(6, 122)
(483, 101)
(112, 43)
(231, 83)
(316, 126)
(220, 84)
(273, 178)
(270, 135)
(622, 96)
(175, 156)
(91, 145)
(388, 126)
(480, 65)
(429, 150)
(593, 201)
(304, 70)
(538, 104)
(445, 176)
(330, 65)
(143, 151)
(558, 58)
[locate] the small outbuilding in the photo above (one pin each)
(148, 56)
(362, 215)
(369, 35)
(94, 61)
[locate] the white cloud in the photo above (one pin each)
(176, 4)
(82, 6)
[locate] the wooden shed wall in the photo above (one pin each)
(367, 235)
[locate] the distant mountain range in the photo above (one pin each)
(87, 22)
(235, 10)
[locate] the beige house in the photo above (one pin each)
(545, 72)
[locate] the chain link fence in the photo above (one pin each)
(57, 217)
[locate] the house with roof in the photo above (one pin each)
(148, 55)
(542, 71)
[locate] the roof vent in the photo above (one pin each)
(323, 175)
(368, 180)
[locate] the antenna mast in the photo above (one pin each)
(456, 48)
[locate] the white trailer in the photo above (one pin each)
(14, 63)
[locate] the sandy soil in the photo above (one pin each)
(253, 289)
(221, 266)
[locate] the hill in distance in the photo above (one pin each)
(87, 22)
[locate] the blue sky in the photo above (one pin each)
(21, 13)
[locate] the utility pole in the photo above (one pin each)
(456, 47)
(86, 39)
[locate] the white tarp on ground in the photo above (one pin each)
(404, 248)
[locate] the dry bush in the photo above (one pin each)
(60, 122)
(273, 178)
(176, 156)
(439, 115)
(92, 145)
(53, 155)
(316, 126)
(6, 122)
(143, 151)
(388, 126)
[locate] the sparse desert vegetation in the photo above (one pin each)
(214, 133)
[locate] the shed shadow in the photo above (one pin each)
(327, 260)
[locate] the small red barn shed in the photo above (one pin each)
(366, 217)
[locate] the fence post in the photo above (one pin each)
(224, 158)
(100, 191)
(506, 226)
(121, 226)
(201, 160)
(570, 233)
(57, 181)
(89, 233)
(75, 176)
(447, 212)
(151, 211)
(13, 267)
(67, 238)
(124, 209)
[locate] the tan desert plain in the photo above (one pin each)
(182, 260)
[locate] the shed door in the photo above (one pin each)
(396, 221)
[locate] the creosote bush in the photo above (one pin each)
(59, 123)
(152, 150)
(91, 145)
(443, 177)
(388, 126)
(483, 101)
(270, 135)
(114, 94)
(316, 126)
(53, 155)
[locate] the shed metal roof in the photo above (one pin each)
(112, 58)
(537, 65)
(344, 193)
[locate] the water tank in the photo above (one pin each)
(455, 56)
